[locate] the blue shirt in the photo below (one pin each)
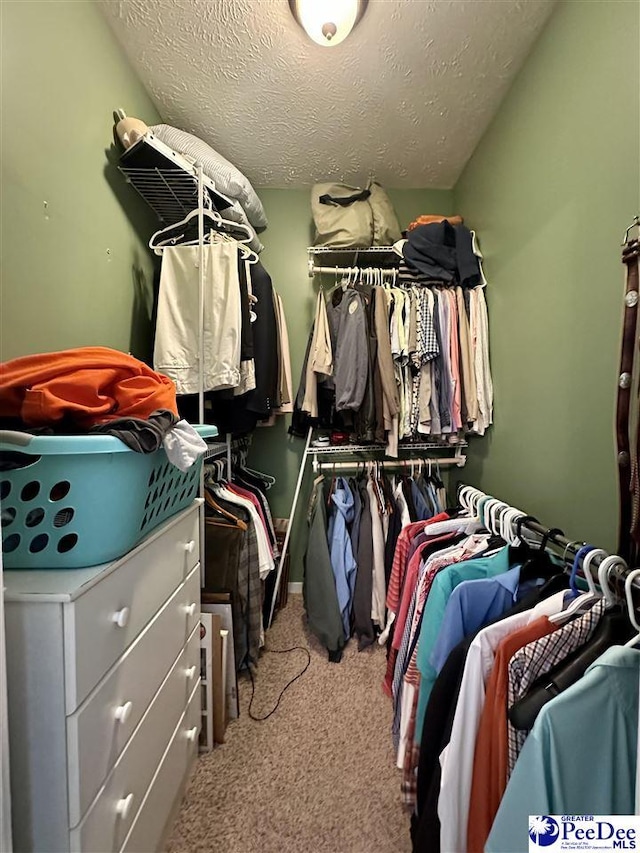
(342, 560)
(443, 585)
(423, 509)
(580, 757)
(472, 604)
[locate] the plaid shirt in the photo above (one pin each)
(473, 546)
(396, 583)
(538, 658)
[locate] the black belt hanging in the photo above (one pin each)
(627, 420)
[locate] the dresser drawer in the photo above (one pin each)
(106, 824)
(150, 824)
(99, 730)
(101, 624)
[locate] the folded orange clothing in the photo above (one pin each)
(87, 385)
(428, 218)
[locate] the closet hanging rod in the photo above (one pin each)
(380, 448)
(567, 545)
(314, 270)
(447, 462)
(353, 250)
(619, 572)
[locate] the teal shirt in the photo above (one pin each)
(443, 585)
(580, 757)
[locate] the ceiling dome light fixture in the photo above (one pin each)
(327, 22)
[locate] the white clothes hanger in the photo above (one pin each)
(495, 517)
(214, 216)
(604, 570)
(462, 492)
(586, 569)
(464, 497)
(486, 512)
(509, 530)
(586, 599)
(474, 501)
(506, 521)
(487, 503)
(631, 607)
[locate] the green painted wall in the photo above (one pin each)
(75, 271)
(289, 233)
(551, 189)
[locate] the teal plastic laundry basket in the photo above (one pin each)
(74, 501)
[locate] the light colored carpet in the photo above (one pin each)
(316, 777)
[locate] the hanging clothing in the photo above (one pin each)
(451, 723)
(537, 659)
(557, 775)
(232, 564)
(319, 590)
(265, 562)
(342, 559)
(406, 363)
(384, 358)
(285, 393)
(363, 591)
(378, 578)
(491, 759)
(176, 351)
(351, 357)
(320, 359)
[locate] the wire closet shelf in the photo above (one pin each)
(170, 193)
(380, 255)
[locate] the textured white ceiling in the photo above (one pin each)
(407, 96)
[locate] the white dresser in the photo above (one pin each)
(103, 671)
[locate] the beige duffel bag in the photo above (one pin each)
(350, 216)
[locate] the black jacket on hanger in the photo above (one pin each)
(237, 415)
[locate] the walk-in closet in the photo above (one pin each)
(319, 443)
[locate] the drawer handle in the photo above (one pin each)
(190, 546)
(190, 672)
(190, 609)
(191, 734)
(123, 806)
(121, 617)
(123, 712)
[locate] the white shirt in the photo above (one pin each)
(483, 369)
(378, 588)
(456, 759)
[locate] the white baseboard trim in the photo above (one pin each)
(295, 587)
